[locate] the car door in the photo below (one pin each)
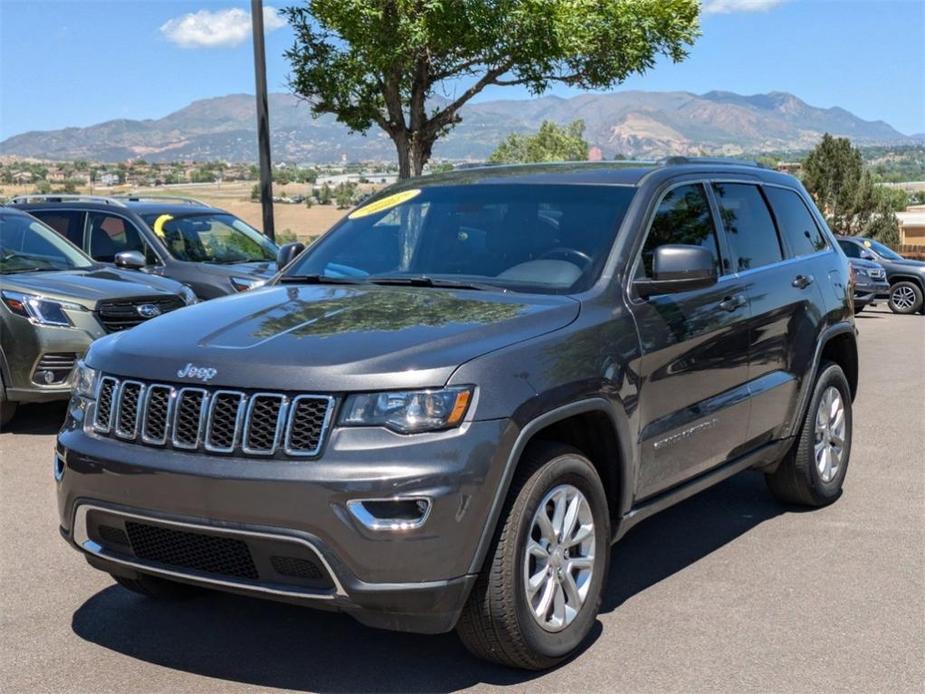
(693, 402)
(777, 258)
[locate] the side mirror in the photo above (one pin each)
(678, 268)
(867, 255)
(130, 260)
(287, 252)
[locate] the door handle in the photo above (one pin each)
(802, 281)
(731, 303)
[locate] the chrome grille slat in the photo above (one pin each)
(217, 421)
(129, 397)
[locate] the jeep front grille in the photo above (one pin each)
(215, 421)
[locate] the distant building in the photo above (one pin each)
(109, 179)
(912, 226)
(22, 177)
(595, 154)
(791, 167)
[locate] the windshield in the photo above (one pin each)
(882, 250)
(27, 245)
(532, 238)
(211, 238)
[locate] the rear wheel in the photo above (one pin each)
(540, 590)
(813, 471)
(905, 297)
(7, 410)
(157, 588)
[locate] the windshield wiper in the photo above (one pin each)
(317, 279)
(427, 281)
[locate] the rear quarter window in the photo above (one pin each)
(795, 222)
(69, 224)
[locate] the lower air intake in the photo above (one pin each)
(224, 556)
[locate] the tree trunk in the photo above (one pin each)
(404, 156)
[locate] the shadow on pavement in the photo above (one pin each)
(38, 419)
(271, 644)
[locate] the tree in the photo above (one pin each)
(382, 62)
(831, 173)
(550, 143)
(848, 195)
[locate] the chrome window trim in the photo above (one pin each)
(203, 409)
(82, 540)
(210, 419)
(281, 418)
(171, 397)
(120, 433)
(325, 425)
(112, 406)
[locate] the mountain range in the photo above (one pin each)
(628, 123)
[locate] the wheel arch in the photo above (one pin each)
(902, 277)
(593, 426)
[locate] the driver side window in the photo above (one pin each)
(683, 217)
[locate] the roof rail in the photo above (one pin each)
(676, 160)
(162, 198)
(64, 197)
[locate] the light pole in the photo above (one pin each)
(263, 119)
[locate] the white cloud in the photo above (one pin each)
(729, 6)
(206, 29)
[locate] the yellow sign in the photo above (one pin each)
(159, 224)
(385, 203)
(866, 243)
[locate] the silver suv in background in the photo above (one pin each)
(55, 302)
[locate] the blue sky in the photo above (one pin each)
(79, 62)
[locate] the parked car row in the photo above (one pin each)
(881, 272)
(74, 268)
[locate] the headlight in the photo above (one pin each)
(409, 412)
(242, 284)
(38, 309)
(85, 383)
(189, 296)
(862, 273)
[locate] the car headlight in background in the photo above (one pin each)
(85, 382)
(188, 296)
(242, 284)
(38, 309)
(409, 411)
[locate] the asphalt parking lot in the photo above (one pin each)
(727, 592)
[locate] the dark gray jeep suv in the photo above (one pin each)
(444, 412)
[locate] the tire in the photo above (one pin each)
(802, 479)
(7, 410)
(905, 297)
(859, 307)
(157, 588)
(498, 622)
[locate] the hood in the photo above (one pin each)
(259, 270)
(331, 338)
(86, 287)
(914, 265)
(864, 264)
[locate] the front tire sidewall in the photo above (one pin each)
(574, 470)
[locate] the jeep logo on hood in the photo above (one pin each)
(202, 373)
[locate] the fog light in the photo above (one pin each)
(402, 513)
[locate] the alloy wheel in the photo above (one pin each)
(559, 558)
(903, 298)
(831, 425)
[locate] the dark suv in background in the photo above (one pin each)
(906, 291)
(444, 412)
(206, 248)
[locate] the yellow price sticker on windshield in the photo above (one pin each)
(385, 203)
(866, 243)
(159, 224)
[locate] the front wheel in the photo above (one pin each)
(540, 589)
(813, 471)
(7, 410)
(905, 297)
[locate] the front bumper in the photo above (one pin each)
(412, 579)
(865, 293)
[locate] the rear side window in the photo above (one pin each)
(749, 228)
(795, 222)
(683, 216)
(69, 224)
(110, 234)
(852, 250)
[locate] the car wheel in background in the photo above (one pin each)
(7, 410)
(813, 471)
(539, 592)
(905, 297)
